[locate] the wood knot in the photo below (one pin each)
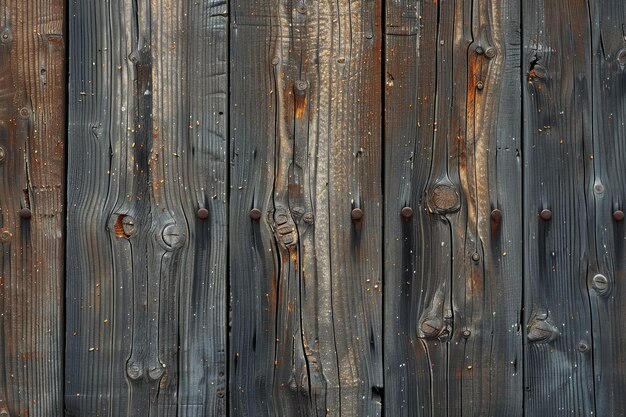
(285, 228)
(156, 372)
(3, 154)
(621, 58)
(5, 235)
(541, 329)
(134, 371)
(432, 327)
(124, 226)
(444, 199)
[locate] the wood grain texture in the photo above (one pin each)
(558, 160)
(606, 191)
(452, 134)
(306, 151)
(146, 313)
(32, 183)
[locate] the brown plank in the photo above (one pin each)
(453, 275)
(558, 158)
(32, 160)
(306, 140)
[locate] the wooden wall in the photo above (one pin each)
(249, 208)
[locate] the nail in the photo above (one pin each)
(357, 214)
(466, 333)
(24, 113)
(301, 8)
(255, 214)
(618, 215)
(583, 347)
(496, 215)
(475, 257)
(480, 85)
(406, 212)
(25, 214)
(546, 214)
(203, 213)
(479, 50)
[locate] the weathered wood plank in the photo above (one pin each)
(558, 156)
(32, 164)
(452, 135)
(606, 188)
(306, 142)
(147, 124)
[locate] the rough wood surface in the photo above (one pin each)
(306, 213)
(32, 182)
(453, 270)
(558, 162)
(146, 313)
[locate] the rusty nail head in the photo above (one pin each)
(255, 214)
(466, 333)
(25, 213)
(582, 346)
(496, 215)
(475, 257)
(480, 85)
(618, 215)
(490, 52)
(357, 214)
(545, 214)
(479, 50)
(203, 213)
(406, 212)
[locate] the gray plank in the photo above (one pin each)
(149, 274)
(305, 279)
(606, 188)
(32, 171)
(453, 276)
(557, 157)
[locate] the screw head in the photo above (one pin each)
(203, 213)
(357, 214)
(406, 212)
(480, 85)
(301, 85)
(5, 235)
(600, 283)
(24, 113)
(545, 214)
(172, 236)
(255, 214)
(618, 215)
(25, 213)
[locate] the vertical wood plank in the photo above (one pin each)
(453, 138)
(32, 161)
(306, 144)
(558, 158)
(606, 186)
(147, 283)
